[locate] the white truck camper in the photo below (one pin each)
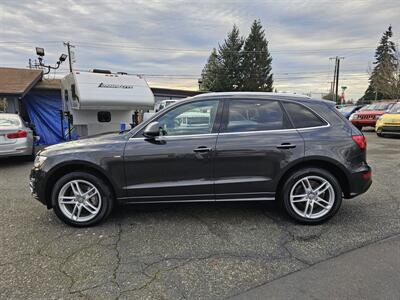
(101, 101)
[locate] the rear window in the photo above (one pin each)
(303, 117)
(9, 121)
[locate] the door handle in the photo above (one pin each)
(202, 149)
(286, 146)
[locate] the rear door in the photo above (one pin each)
(256, 141)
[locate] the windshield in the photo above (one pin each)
(7, 120)
(395, 109)
(347, 108)
(378, 106)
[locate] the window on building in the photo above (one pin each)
(104, 116)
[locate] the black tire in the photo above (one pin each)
(379, 133)
(294, 178)
(359, 127)
(107, 202)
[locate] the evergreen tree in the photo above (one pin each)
(257, 75)
(230, 60)
(384, 60)
(210, 74)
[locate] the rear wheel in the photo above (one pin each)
(81, 199)
(311, 196)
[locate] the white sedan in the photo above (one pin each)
(16, 139)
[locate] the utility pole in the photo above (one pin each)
(335, 89)
(334, 79)
(337, 80)
(69, 46)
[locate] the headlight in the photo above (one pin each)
(380, 118)
(352, 117)
(39, 160)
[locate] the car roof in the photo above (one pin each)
(262, 95)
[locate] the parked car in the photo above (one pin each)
(348, 110)
(16, 138)
(251, 147)
(369, 114)
(389, 123)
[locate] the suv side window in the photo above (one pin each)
(303, 117)
(191, 118)
(255, 115)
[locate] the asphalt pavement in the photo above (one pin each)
(198, 251)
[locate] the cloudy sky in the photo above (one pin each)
(170, 41)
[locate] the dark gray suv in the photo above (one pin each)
(213, 147)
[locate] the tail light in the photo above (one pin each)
(17, 135)
(360, 141)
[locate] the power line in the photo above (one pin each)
(135, 47)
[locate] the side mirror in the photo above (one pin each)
(152, 130)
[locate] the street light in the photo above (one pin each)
(62, 58)
(40, 54)
(39, 51)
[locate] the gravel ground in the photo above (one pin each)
(205, 251)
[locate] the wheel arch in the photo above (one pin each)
(324, 163)
(74, 166)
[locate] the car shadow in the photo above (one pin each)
(270, 209)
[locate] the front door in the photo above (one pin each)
(255, 142)
(177, 165)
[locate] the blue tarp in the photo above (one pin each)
(43, 108)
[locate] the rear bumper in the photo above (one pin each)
(359, 182)
(20, 147)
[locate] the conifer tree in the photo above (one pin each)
(230, 59)
(385, 62)
(210, 74)
(257, 75)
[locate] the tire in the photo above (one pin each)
(91, 210)
(379, 133)
(294, 187)
(359, 127)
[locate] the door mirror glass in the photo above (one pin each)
(152, 130)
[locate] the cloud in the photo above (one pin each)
(134, 36)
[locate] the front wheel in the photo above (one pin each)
(81, 199)
(379, 132)
(311, 195)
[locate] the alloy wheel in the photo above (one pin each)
(79, 200)
(312, 197)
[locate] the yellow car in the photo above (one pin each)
(389, 123)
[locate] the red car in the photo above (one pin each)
(368, 115)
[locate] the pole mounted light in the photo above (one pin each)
(40, 54)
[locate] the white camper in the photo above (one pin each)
(101, 102)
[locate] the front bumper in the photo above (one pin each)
(390, 129)
(36, 185)
(359, 182)
(364, 122)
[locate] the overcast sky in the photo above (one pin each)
(170, 40)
